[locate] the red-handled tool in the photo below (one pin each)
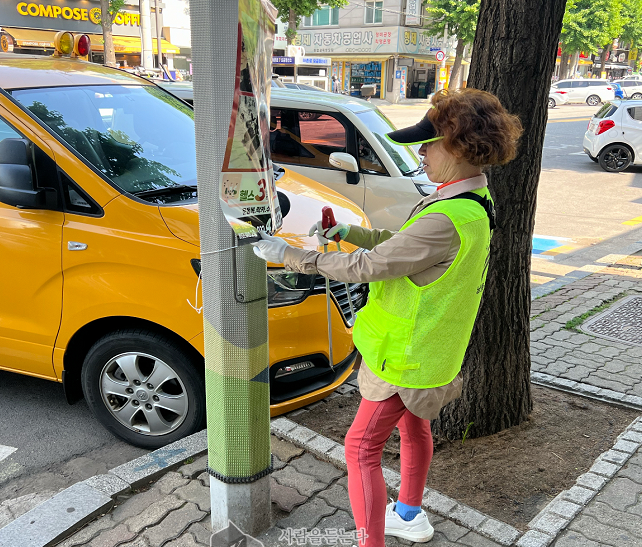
(328, 221)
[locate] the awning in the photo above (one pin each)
(28, 38)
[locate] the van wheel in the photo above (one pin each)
(144, 388)
(551, 102)
(593, 100)
(636, 96)
(615, 158)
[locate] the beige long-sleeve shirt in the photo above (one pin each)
(422, 252)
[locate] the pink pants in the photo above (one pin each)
(364, 444)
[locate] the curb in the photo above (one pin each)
(55, 519)
(433, 501)
(558, 514)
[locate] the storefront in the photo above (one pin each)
(373, 56)
(617, 64)
(303, 70)
(30, 27)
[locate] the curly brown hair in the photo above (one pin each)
(475, 126)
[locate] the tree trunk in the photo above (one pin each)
(564, 65)
(516, 64)
(291, 33)
(106, 23)
(575, 63)
(456, 71)
(603, 57)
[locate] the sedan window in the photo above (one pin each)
(368, 159)
(635, 113)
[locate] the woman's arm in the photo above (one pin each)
(419, 247)
(367, 238)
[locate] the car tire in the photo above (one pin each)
(593, 100)
(636, 96)
(551, 102)
(615, 158)
(116, 378)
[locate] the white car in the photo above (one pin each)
(591, 92)
(614, 135)
(556, 97)
(340, 142)
(632, 88)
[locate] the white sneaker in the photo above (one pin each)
(417, 530)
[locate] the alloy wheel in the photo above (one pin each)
(616, 158)
(593, 100)
(143, 393)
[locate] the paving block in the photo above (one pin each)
(285, 497)
(565, 509)
(196, 493)
(620, 494)
(627, 447)
(138, 542)
(572, 538)
(306, 485)
(170, 482)
(321, 471)
(174, 524)
(615, 457)
(190, 470)
(534, 538)
(186, 540)
(606, 469)
(281, 425)
(84, 535)
(152, 514)
(284, 450)
(453, 532)
(300, 435)
(340, 519)
(109, 485)
(307, 515)
(337, 496)
(321, 444)
(632, 436)
(498, 531)
(468, 517)
(473, 539)
(56, 517)
(590, 480)
(579, 495)
(392, 478)
(437, 503)
(113, 536)
(337, 456)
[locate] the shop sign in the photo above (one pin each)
(282, 60)
(71, 15)
(6, 43)
(402, 72)
(384, 40)
(325, 61)
(413, 12)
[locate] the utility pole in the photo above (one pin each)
(146, 50)
(442, 68)
(159, 33)
(234, 291)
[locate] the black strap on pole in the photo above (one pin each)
(483, 201)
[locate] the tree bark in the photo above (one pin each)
(603, 57)
(456, 71)
(516, 64)
(106, 23)
(291, 27)
(564, 62)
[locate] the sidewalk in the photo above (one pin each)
(603, 508)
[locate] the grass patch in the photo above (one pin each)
(188, 461)
(577, 321)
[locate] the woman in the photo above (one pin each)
(426, 283)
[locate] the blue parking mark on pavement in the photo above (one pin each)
(547, 245)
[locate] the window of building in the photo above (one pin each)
(374, 12)
(323, 17)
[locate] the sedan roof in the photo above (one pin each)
(314, 99)
(27, 71)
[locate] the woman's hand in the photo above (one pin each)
(270, 248)
(326, 236)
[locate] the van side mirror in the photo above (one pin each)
(348, 163)
(16, 178)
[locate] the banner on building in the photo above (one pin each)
(413, 12)
(248, 192)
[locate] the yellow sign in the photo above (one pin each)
(77, 14)
(443, 75)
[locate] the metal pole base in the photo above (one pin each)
(248, 506)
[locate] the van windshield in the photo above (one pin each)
(138, 136)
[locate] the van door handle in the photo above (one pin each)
(76, 246)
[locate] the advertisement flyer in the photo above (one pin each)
(247, 189)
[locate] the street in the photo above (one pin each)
(583, 214)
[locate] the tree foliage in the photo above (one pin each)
(591, 24)
(291, 11)
(459, 15)
(632, 27)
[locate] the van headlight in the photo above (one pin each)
(287, 288)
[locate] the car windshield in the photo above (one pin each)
(404, 157)
(139, 137)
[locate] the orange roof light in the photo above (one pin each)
(63, 43)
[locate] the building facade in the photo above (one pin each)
(378, 42)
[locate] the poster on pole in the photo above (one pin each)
(247, 189)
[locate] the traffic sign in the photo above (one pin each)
(440, 55)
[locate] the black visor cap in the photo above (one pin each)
(424, 131)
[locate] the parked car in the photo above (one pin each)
(556, 97)
(340, 142)
(591, 92)
(614, 135)
(100, 247)
(303, 87)
(632, 88)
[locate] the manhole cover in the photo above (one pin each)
(621, 323)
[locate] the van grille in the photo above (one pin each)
(358, 295)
